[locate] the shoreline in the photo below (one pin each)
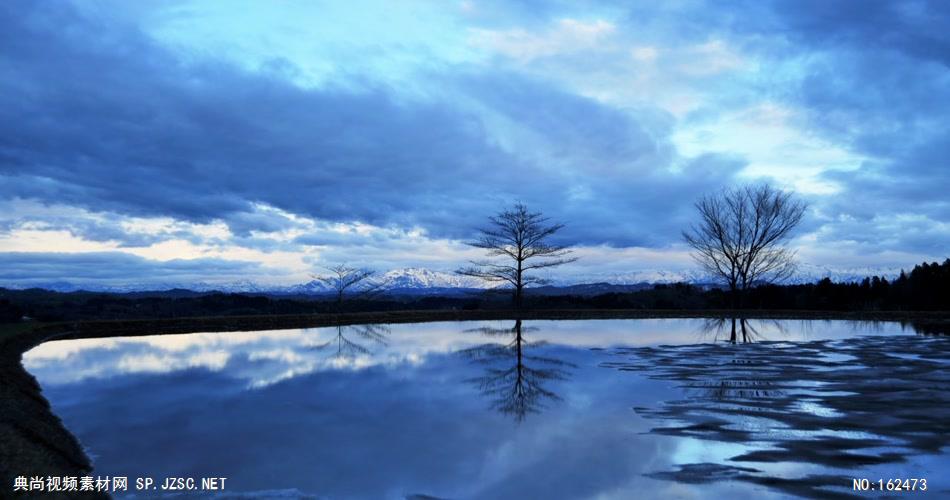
(35, 441)
(164, 326)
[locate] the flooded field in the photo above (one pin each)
(685, 408)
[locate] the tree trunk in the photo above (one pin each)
(518, 286)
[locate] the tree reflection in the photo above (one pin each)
(931, 327)
(738, 330)
(354, 340)
(514, 381)
(741, 384)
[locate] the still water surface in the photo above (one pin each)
(682, 408)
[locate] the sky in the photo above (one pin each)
(221, 141)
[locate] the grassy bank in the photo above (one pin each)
(35, 442)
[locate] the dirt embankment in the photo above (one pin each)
(33, 441)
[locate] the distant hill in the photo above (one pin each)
(425, 282)
(926, 287)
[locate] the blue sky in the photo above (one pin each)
(217, 141)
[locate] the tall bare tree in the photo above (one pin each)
(741, 234)
(517, 242)
(349, 280)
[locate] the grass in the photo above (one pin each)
(8, 330)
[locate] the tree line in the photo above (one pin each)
(925, 288)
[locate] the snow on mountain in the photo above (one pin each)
(198, 286)
(415, 278)
(409, 278)
(310, 287)
(632, 278)
(810, 273)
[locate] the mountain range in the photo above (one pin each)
(420, 281)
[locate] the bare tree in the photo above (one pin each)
(519, 238)
(741, 235)
(349, 280)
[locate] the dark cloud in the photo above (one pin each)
(915, 28)
(242, 223)
(872, 77)
(880, 83)
(645, 208)
(105, 268)
(782, 27)
(595, 138)
(96, 115)
(99, 117)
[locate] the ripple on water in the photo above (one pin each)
(826, 405)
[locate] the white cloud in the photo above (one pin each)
(774, 140)
(708, 59)
(567, 36)
(645, 53)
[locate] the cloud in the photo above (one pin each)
(117, 268)
(111, 121)
(150, 135)
(867, 82)
(566, 37)
(874, 78)
(916, 29)
(262, 219)
(18, 215)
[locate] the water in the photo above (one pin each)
(543, 409)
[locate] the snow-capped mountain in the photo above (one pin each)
(412, 279)
(197, 286)
(810, 273)
(633, 278)
(416, 277)
(310, 287)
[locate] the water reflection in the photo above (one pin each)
(784, 409)
(840, 404)
(355, 340)
(748, 330)
(931, 327)
(514, 381)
